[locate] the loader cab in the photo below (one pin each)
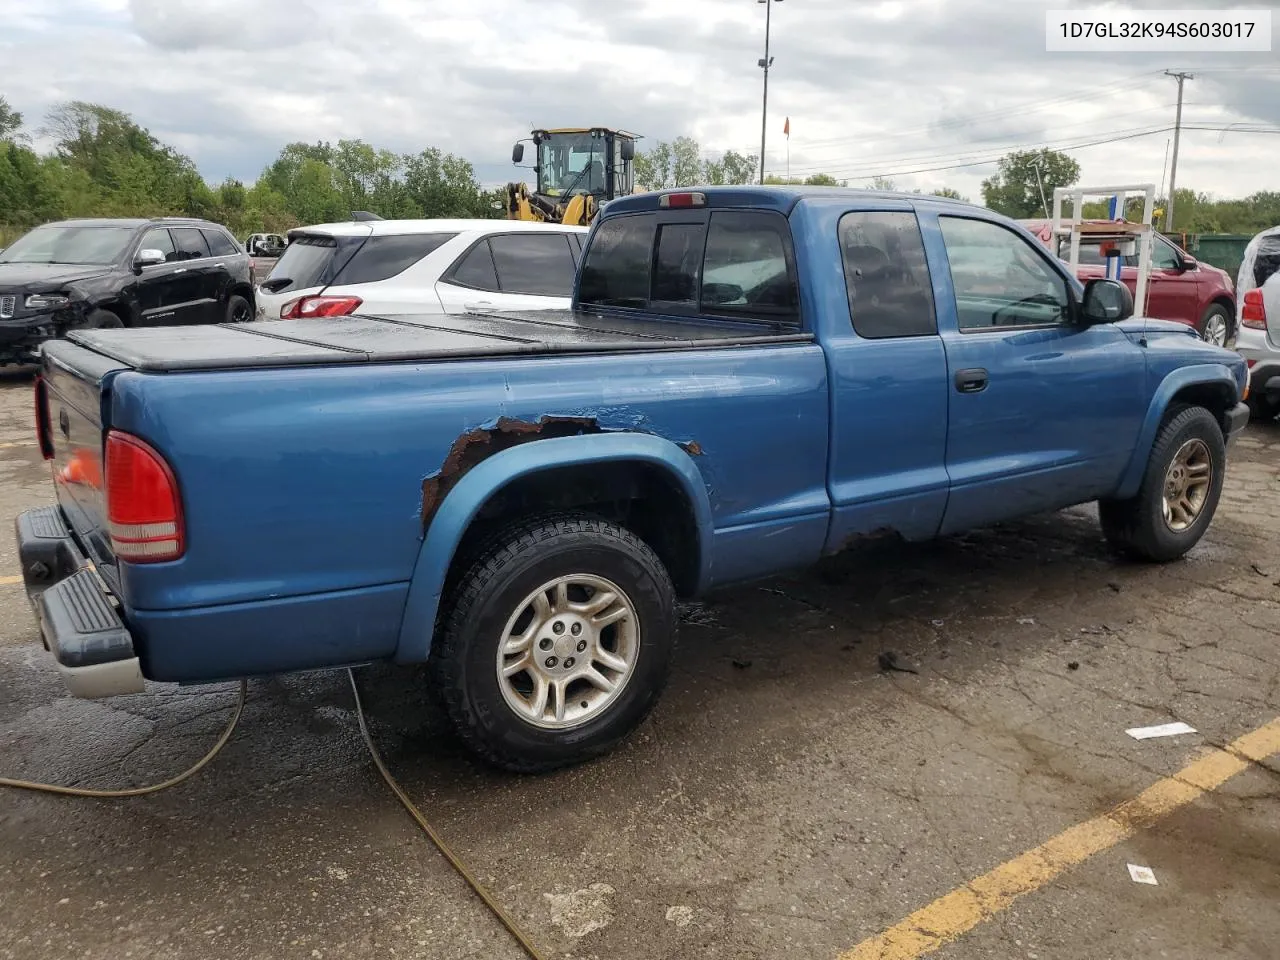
(592, 160)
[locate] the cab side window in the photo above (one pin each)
(1000, 279)
(887, 276)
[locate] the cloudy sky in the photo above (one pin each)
(927, 92)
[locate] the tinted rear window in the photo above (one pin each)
(615, 272)
(307, 262)
(476, 269)
(749, 254)
(731, 263)
(220, 245)
(381, 258)
(190, 243)
(535, 264)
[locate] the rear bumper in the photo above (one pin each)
(79, 623)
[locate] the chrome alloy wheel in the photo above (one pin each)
(568, 651)
(1215, 330)
(1186, 485)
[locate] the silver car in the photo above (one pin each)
(1258, 326)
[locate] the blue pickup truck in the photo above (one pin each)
(748, 379)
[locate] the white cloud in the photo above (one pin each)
(885, 87)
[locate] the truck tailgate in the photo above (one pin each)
(74, 382)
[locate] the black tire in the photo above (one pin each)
(102, 320)
(239, 309)
(1137, 527)
(1215, 313)
(509, 569)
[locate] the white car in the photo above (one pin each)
(387, 268)
(1258, 340)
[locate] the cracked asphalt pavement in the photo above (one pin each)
(788, 798)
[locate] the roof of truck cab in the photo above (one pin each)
(387, 228)
(769, 197)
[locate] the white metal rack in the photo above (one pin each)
(1125, 233)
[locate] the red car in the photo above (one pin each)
(1180, 287)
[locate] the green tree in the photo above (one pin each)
(948, 193)
(732, 168)
(10, 124)
(443, 185)
(1015, 189)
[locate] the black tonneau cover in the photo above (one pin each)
(357, 339)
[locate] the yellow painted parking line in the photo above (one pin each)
(7, 581)
(10, 444)
(951, 916)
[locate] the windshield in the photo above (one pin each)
(57, 243)
(571, 163)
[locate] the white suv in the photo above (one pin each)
(402, 267)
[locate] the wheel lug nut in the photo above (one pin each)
(558, 627)
(546, 643)
(551, 662)
(577, 629)
(582, 645)
(568, 664)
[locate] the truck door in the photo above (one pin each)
(1044, 412)
(888, 373)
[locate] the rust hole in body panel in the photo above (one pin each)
(693, 448)
(478, 445)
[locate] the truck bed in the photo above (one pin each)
(359, 339)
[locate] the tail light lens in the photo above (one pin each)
(1253, 314)
(305, 307)
(144, 511)
(42, 418)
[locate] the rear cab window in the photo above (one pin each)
(726, 263)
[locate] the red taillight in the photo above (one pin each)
(144, 512)
(305, 307)
(42, 418)
(676, 201)
(1253, 313)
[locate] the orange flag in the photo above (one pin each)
(786, 128)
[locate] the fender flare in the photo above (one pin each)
(465, 500)
(1198, 375)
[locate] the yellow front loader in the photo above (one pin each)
(575, 171)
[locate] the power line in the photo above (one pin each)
(1089, 93)
(935, 154)
(996, 151)
(993, 158)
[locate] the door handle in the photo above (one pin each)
(973, 380)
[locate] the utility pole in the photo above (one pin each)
(765, 64)
(1177, 132)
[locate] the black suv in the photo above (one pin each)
(79, 274)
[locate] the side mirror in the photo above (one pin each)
(149, 258)
(1189, 262)
(717, 293)
(1106, 301)
(517, 153)
(628, 150)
